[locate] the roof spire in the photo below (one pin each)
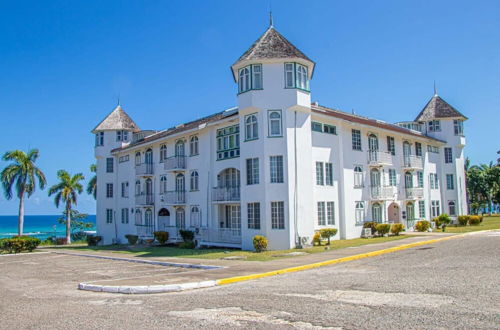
(118, 103)
(435, 90)
(271, 17)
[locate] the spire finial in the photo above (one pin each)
(435, 90)
(118, 102)
(271, 18)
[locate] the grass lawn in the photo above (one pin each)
(168, 251)
(492, 222)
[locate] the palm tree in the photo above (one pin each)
(21, 174)
(92, 185)
(66, 191)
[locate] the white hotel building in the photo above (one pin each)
(277, 165)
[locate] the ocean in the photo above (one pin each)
(40, 226)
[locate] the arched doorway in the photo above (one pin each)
(179, 148)
(163, 219)
(377, 212)
(410, 214)
(393, 213)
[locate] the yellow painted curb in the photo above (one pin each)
(235, 279)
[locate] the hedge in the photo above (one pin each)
(19, 244)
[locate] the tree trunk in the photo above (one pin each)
(20, 223)
(68, 224)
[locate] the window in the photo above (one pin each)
(421, 209)
(123, 159)
(358, 176)
(329, 174)
(253, 211)
(392, 177)
(448, 156)
(317, 127)
(193, 146)
(301, 79)
(122, 136)
(250, 77)
(109, 190)
(323, 128)
(180, 218)
(433, 181)
(252, 171)
(433, 149)
(109, 216)
(163, 184)
(359, 212)
(450, 183)
(278, 215)
(257, 76)
(435, 209)
(125, 189)
(289, 75)
(251, 128)
(458, 126)
(276, 164)
(330, 213)
(377, 212)
(434, 126)
(451, 208)
(163, 153)
(410, 212)
(418, 149)
(109, 165)
(320, 179)
(125, 215)
(275, 123)
(391, 146)
(420, 179)
(321, 214)
(194, 181)
(137, 188)
(356, 139)
(228, 142)
(195, 216)
(137, 158)
(99, 139)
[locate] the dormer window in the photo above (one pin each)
(122, 136)
(434, 126)
(296, 76)
(250, 77)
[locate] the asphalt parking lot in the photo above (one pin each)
(451, 284)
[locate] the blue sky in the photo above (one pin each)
(64, 63)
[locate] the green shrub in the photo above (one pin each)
(480, 218)
(326, 233)
(19, 244)
(93, 240)
(474, 220)
(444, 219)
(132, 239)
(187, 245)
(372, 225)
(30, 243)
(383, 228)
(437, 222)
(422, 225)
(161, 236)
(396, 228)
(317, 238)
(463, 220)
(187, 235)
(260, 243)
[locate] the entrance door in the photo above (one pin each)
(408, 180)
(393, 213)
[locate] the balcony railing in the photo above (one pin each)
(144, 199)
(145, 230)
(380, 192)
(175, 163)
(221, 235)
(144, 169)
(413, 161)
(378, 158)
(176, 197)
(173, 231)
(412, 193)
(226, 194)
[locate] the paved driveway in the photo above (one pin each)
(452, 284)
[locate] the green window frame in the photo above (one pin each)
(228, 142)
(296, 76)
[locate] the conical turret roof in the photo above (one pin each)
(117, 120)
(438, 108)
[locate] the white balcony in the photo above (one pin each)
(144, 169)
(413, 162)
(221, 236)
(413, 193)
(379, 158)
(382, 193)
(144, 199)
(176, 197)
(226, 194)
(175, 163)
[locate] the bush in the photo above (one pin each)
(161, 236)
(326, 233)
(383, 228)
(437, 222)
(60, 241)
(19, 244)
(463, 220)
(30, 243)
(187, 245)
(396, 228)
(317, 238)
(474, 220)
(444, 219)
(480, 218)
(93, 240)
(260, 243)
(187, 235)
(422, 225)
(132, 239)
(372, 225)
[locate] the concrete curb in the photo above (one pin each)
(21, 254)
(142, 261)
(134, 289)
